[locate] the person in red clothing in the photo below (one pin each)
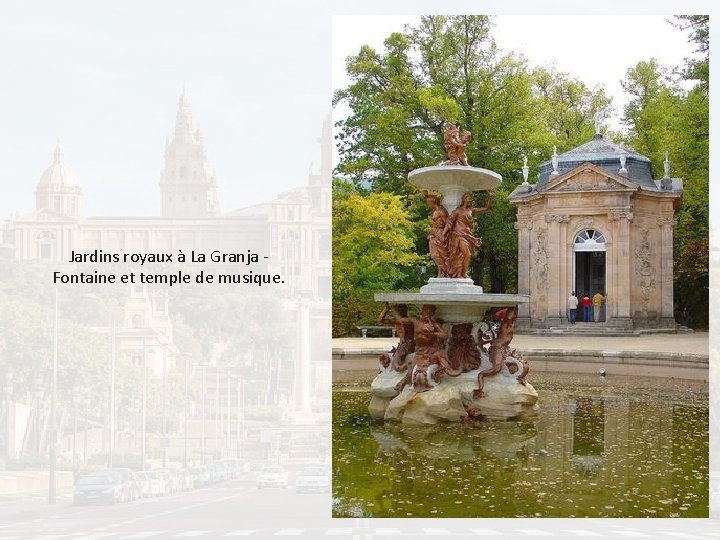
(586, 304)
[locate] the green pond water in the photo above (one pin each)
(615, 447)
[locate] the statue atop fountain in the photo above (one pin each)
(453, 362)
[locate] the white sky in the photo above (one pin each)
(105, 76)
(597, 49)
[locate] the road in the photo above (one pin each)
(234, 508)
(238, 509)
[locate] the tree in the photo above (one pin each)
(372, 251)
(567, 106)
(445, 69)
(662, 117)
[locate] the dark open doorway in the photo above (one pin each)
(590, 274)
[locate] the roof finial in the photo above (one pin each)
(59, 153)
(525, 170)
(554, 159)
(600, 115)
(623, 157)
(666, 166)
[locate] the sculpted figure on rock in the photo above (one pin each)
(430, 362)
(455, 142)
(395, 358)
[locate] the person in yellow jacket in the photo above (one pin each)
(598, 300)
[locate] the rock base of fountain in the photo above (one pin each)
(453, 399)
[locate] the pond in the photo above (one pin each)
(615, 447)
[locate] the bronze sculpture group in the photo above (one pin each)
(432, 354)
(451, 239)
(455, 141)
(425, 337)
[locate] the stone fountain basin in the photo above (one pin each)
(455, 307)
(454, 180)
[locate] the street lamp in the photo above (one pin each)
(52, 495)
(422, 270)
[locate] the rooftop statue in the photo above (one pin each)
(600, 115)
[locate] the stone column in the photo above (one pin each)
(623, 268)
(524, 226)
(556, 292)
(666, 225)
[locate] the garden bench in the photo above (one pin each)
(364, 329)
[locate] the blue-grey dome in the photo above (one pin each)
(605, 154)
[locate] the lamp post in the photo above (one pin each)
(111, 446)
(7, 419)
(52, 495)
(238, 432)
(185, 414)
(144, 409)
(202, 418)
(421, 270)
(217, 411)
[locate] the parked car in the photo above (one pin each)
(272, 476)
(201, 476)
(99, 487)
(232, 466)
(131, 489)
(172, 478)
(168, 481)
(157, 483)
(217, 472)
(184, 479)
(314, 478)
(144, 483)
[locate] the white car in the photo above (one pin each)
(272, 476)
(315, 478)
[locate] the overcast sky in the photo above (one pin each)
(104, 77)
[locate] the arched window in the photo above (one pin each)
(589, 240)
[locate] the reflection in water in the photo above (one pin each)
(588, 440)
(615, 450)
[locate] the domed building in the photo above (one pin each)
(597, 221)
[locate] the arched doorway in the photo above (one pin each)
(589, 250)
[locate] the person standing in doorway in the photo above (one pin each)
(587, 306)
(597, 301)
(572, 304)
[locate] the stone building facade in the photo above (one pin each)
(597, 221)
(293, 230)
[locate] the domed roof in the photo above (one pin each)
(57, 177)
(605, 154)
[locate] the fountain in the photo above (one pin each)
(453, 362)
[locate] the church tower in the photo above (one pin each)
(58, 190)
(187, 185)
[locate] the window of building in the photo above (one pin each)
(589, 240)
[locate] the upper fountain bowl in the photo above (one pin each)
(452, 181)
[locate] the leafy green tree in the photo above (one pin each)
(448, 69)
(663, 117)
(373, 250)
(567, 107)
